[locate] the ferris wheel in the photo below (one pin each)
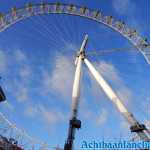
(141, 44)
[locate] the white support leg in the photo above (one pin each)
(114, 98)
(76, 84)
(76, 88)
(74, 123)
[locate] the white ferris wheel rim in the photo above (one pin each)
(16, 15)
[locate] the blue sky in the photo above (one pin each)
(37, 66)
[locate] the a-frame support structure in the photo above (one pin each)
(74, 123)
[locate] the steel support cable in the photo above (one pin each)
(58, 28)
(52, 35)
(54, 27)
(36, 26)
(111, 51)
(45, 35)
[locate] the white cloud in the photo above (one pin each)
(25, 71)
(129, 9)
(51, 116)
(108, 70)
(110, 74)
(125, 125)
(8, 105)
(31, 111)
(124, 128)
(60, 80)
(124, 94)
(3, 62)
(85, 111)
(17, 63)
(20, 55)
(145, 105)
(147, 123)
(123, 7)
(102, 118)
(21, 94)
(48, 115)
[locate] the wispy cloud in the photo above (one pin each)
(124, 125)
(123, 7)
(8, 106)
(31, 111)
(20, 55)
(49, 116)
(21, 68)
(129, 9)
(3, 62)
(17, 75)
(145, 105)
(110, 74)
(102, 118)
(25, 71)
(22, 94)
(60, 79)
(147, 123)
(85, 111)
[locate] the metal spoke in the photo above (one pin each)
(15, 15)
(110, 51)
